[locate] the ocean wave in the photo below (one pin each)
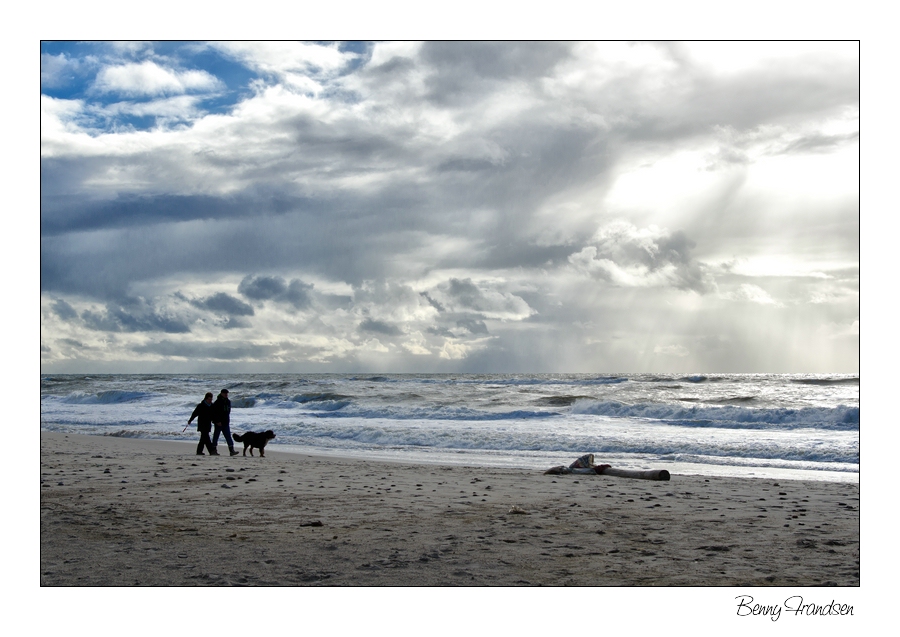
(323, 397)
(849, 466)
(366, 436)
(841, 417)
(691, 378)
(111, 397)
(604, 381)
(732, 399)
(324, 402)
(387, 435)
(826, 381)
(435, 413)
(532, 381)
(560, 401)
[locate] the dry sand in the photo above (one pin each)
(124, 512)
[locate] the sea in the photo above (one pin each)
(789, 426)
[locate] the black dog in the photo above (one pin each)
(252, 439)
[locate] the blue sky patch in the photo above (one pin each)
(74, 71)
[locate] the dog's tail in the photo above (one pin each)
(238, 437)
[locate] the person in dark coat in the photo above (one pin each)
(222, 421)
(203, 412)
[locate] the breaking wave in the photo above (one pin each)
(841, 417)
(111, 397)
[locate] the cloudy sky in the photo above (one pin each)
(495, 207)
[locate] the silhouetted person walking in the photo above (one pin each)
(203, 412)
(222, 420)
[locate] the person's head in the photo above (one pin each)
(208, 396)
(224, 392)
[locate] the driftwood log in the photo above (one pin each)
(606, 470)
(652, 474)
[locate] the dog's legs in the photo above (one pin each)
(251, 451)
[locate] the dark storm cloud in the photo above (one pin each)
(223, 303)
(379, 327)
(465, 293)
(63, 211)
(103, 263)
(140, 319)
(260, 288)
(63, 310)
(298, 294)
(473, 326)
(435, 304)
(343, 236)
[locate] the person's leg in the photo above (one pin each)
(200, 445)
(217, 430)
(208, 443)
(226, 429)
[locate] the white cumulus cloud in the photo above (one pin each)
(148, 78)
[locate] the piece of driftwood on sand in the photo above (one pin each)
(651, 474)
(606, 470)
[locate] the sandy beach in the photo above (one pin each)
(128, 512)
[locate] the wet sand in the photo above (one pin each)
(125, 512)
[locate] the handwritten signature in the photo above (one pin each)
(794, 604)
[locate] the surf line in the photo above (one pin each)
(793, 604)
